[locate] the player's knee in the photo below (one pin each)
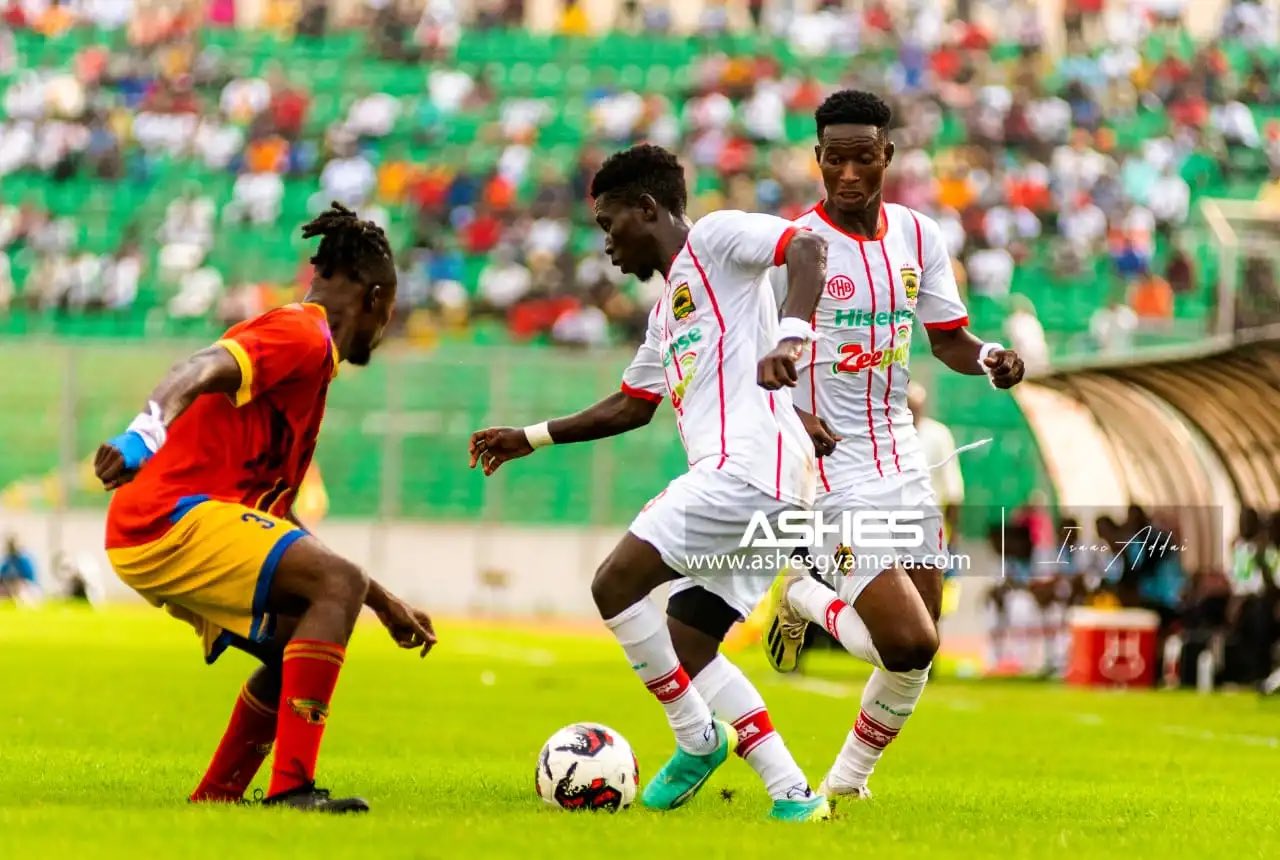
(265, 684)
(348, 584)
(605, 590)
(910, 651)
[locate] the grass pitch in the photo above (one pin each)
(109, 718)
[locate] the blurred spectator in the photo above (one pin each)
(17, 572)
(1180, 271)
(1112, 328)
(120, 276)
(573, 21)
(256, 198)
(1170, 199)
(373, 115)
(503, 281)
(348, 178)
(198, 293)
(1035, 518)
(244, 98)
(939, 448)
(314, 19)
(1026, 335)
(990, 271)
(217, 142)
(1151, 298)
(187, 232)
(288, 107)
(581, 327)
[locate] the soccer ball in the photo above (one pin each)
(587, 766)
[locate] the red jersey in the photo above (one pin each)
(252, 447)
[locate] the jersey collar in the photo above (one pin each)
(882, 224)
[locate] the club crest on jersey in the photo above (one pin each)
(840, 287)
(843, 558)
(682, 302)
(910, 284)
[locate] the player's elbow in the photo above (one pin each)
(211, 370)
(806, 250)
(634, 412)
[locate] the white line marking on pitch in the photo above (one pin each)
(831, 689)
(508, 653)
(1206, 735)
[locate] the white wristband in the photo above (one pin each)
(538, 435)
(150, 426)
(983, 353)
(789, 327)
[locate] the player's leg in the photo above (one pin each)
(621, 591)
(889, 696)
(252, 728)
(887, 618)
(698, 621)
(886, 624)
(326, 591)
(231, 572)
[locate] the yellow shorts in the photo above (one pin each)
(213, 569)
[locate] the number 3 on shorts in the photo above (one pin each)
(254, 518)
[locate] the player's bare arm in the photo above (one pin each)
(618, 413)
(961, 351)
(209, 371)
(806, 261)
(409, 627)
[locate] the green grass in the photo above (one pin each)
(108, 719)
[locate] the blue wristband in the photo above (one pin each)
(133, 448)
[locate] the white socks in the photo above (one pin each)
(641, 630)
(887, 701)
(735, 699)
(819, 604)
(888, 698)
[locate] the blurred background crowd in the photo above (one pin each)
(156, 162)
(158, 156)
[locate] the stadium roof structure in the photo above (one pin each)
(1193, 431)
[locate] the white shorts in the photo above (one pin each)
(909, 499)
(697, 525)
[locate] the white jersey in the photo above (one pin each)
(855, 376)
(715, 320)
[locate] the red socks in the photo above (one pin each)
(244, 745)
(310, 673)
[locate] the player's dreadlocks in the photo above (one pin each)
(643, 169)
(853, 107)
(348, 244)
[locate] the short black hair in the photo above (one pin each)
(347, 244)
(643, 169)
(853, 107)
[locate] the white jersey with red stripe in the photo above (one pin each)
(715, 320)
(855, 376)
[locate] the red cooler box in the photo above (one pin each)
(1112, 647)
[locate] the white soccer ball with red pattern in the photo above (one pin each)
(588, 766)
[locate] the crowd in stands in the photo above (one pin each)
(1228, 609)
(1077, 168)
